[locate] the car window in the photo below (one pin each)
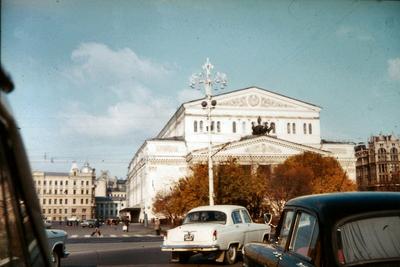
(285, 228)
(246, 216)
(369, 239)
(16, 234)
(305, 233)
(205, 216)
(236, 217)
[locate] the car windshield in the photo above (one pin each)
(369, 240)
(205, 217)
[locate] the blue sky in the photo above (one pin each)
(94, 79)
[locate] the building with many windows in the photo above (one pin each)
(184, 141)
(66, 196)
(110, 196)
(378, 164)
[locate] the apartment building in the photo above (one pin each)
(378, 164)
(66, 196)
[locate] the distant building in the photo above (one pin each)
(378, 164)
(110, 196)
(294, 129)
(66, 196)
(109, 207)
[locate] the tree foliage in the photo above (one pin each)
(307, 173)
(255, 188)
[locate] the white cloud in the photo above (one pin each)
(123, 82)
(96, 61)
(394, 69)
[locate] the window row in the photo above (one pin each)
(291, 128)
(60, 211)
(50, 182)
(62, 192)
(394, 154)
(201, 126)
(55, 201)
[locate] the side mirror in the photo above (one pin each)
(267, 218)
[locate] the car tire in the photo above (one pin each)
(184, 257)
(230, 255)
(55, 259)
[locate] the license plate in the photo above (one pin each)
(188, 237)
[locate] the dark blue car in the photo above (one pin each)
(339, 229)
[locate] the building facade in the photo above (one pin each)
(184, 140)
(110, 196)
(66, 196)
(378, 164)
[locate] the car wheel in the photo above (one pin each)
(184, 257)
(55, 259)
(230, 255)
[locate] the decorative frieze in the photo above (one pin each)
(254, 100)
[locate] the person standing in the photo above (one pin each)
(157, 226)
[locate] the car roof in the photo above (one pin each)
(223, 208)
(334, 206)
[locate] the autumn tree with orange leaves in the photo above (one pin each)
(307, 173)
(303, 174)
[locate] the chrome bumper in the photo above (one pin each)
(189, 248)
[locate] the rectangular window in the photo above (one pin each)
(294, 128)
(60, 211)
(310, 128)
(305, 235)
(50, 201)
(288, 128)
(304, 128)
(55, 201)
(236, 217)
(81, 182)
(285, 228)
(73, 210)
(66, 182)
(44, 201)
(81, 201)
(50, 182)
(87, 201)
(65, 201)
(61, 182)
(87, 182)
(49, 211)
(55, 183)
(65, 211)
(74, 201)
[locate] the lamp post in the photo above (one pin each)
(209, 81)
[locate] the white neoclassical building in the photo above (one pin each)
(183, 141)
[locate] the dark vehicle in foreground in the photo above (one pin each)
(339, 229)
(23, 240)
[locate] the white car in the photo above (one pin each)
(56, 240)
(221, 230)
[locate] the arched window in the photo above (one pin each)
(288, 128)
(195, 126)
(201, 126)
(272, 125)
(294, 128)
(243, 127)
(234, 126)
(218, 126)
(381, 154)
(305, 128)
(309, 128)
(394, 154)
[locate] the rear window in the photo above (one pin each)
(205, 216)
(369, 240)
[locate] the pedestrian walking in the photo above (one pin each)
(96, 230)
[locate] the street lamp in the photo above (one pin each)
(209, 81)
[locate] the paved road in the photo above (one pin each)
(138, 254)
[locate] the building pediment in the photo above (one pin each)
(254, 147)
(257, 98)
